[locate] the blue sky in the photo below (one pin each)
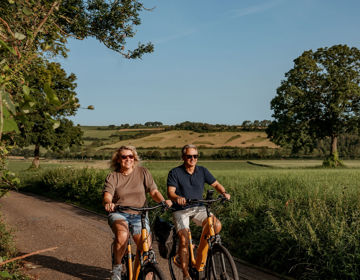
(214, 61)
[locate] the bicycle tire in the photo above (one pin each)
(220, 265)
(175, 271)
(154, 270)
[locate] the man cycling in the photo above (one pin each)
(187, 182)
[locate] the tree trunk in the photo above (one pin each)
(333, 148)
(333, 159)
(36, 160)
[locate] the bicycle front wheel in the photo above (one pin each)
(220, 264)
(152, 271)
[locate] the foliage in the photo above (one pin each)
(81, 186)
(320, 98)
(29, 29)
(45, 123)
(7, 251)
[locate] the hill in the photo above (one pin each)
(178, 138)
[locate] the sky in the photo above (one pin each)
(218, 62)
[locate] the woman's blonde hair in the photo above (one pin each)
(115, 162)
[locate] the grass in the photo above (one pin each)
(294, 218)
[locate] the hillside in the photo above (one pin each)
(178, 138)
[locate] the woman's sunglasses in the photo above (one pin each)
(127, 156)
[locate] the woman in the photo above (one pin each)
(127, 185)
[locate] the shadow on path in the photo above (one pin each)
(78, 270)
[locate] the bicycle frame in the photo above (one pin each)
(206, 240)
(213, 260)
(141, 255)
(145, 254)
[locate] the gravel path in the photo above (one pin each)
(83, 239)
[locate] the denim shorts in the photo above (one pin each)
(133, 219)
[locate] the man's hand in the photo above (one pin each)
(226, 195)
(181, 200)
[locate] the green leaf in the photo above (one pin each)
(9, 122)
(26, 90)
(11, 1)
(27, 12)
(5, 274)
(2, 43)
(8, 102)
(51, 95)
(56, 124)
(19, 36)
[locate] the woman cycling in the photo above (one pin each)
(127, 185)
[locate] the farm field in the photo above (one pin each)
(178, 138)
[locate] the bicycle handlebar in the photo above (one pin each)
(206, 201)
(141, 209)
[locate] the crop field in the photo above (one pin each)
(178, 138)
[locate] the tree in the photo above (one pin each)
(45, 124)
(320, 98)
(30, 28)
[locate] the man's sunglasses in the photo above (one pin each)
(127, 156)
(191, 156)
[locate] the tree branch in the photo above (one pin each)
(27, 255)
(42, 22)
(7, 27)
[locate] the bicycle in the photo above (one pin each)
(144, 265)
(218, 262)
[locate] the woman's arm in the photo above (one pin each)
(107, 202)
(158, 197)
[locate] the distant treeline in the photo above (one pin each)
(195, 126)
(205, 127)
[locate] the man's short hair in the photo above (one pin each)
(189, 146)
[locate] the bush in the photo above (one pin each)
(7, 251)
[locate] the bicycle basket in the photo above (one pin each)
(164, 234)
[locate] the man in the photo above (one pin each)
(187, 182)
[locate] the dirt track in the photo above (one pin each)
(83, 239)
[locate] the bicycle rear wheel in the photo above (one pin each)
(152, 271)
(175, 271)
(220, 264)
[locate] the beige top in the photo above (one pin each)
(130, 190)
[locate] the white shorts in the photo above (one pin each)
(182, 217)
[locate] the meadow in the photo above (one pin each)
(299, 220)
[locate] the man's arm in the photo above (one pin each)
(220, 189)
(174, 197)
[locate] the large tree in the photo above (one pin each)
(44, 124)
(320, 98)
(30, 28)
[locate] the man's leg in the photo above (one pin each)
(216, 223)
(184, 251)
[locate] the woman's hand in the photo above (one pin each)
(109, 207)
(168, 203)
